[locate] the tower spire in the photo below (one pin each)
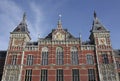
(59, 26)
(97, 26)
(95, 15)
(22, 27)
(24, 17)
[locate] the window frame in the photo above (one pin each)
(28, 75)
(118, 64)
(91, 75)
(105, 58)
(75, 75)
(30, 60)
(44, 75)
(59, 56)
(90, 59)
(14, 60)
(59, 75)
(44, 52)
(74, 56)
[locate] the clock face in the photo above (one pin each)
(17, 42)
(59, 36)
(102, 41)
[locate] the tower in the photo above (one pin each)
(100, 37)
(15, 53)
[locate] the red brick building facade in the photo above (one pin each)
(60, 56)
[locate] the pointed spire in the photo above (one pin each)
(22, 27)
(95, 15)
(80, 37)
(97, 26)
(59, 26)
(24, 18)
(96, 21)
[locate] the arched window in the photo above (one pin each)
(74, 56)
(90, 59)
(44, 56)
(59, 54)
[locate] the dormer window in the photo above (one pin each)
(99, 28)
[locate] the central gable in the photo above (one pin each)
(60, 35)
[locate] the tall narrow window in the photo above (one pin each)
(14, 60)
(117, 63)
(28, 75)
(105, 59)
(91, 75)
(59, 52)
(74, 56)
(90, 59)
(75, 75)
(29, 60)
(59, 75)
(45, 56)
(44, 74)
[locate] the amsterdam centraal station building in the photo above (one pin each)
(60, 56)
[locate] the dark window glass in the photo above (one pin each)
(75, 75)
(44, 58)
(44, 74)
(29, 60)
(60, 57)
(91, 75)
(74, 57)
(90, 59)
(28, 75)
(59, 75)
(105, 59)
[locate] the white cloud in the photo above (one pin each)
(9, 15)
(36, 24)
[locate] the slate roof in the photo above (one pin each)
(22, 27)
(97, 26)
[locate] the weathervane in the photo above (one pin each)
(59, 22)
(60, 16)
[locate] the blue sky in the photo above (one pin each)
(42, 17)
